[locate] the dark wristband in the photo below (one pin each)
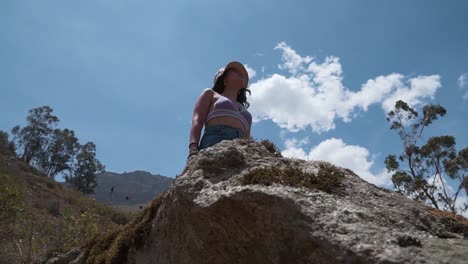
(192, 152)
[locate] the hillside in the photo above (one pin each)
(129, 190)
(39, 215)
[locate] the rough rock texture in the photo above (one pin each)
(71, 257)
(238, 203)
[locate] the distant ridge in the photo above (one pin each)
(129, 188)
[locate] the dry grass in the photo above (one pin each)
(453, 222)
(117, 247)
(49, 217)
(327, 179)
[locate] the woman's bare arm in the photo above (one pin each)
(247, 133)
(200, 112)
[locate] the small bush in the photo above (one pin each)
(327, 179)
(3, 139)
(11, 208)
(6, 147)
(271, 147)
(11, 198)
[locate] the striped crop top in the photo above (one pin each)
(226, 107)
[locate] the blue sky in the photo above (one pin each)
(125, 74)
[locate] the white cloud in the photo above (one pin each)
(373, 91)
(462, 80)
(460, 203)
(290, 103)
(420, 87)
(463, 84)
(293, 148)
(292, 61)
(252, 73)
(355, 158)
(314, 95)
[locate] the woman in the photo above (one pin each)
(222, 109)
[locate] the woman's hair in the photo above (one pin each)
(241, 96)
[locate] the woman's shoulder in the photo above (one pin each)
(207, 93)
(207, 90)
(211, 93)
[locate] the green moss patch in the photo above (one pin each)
(117, 247)
(327, 179)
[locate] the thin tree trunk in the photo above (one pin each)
(23, 157)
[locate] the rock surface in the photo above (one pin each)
(71, 257)
(238, 203)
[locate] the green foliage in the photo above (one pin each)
(11, 208)
(32, 137)
(52, 151)
(3, 138)
(402, 180)
(327, 179)
(421, 171)
(5, 145)
(56, 156)
(77, 229)
(84, 171)
(11, 202)
(391, 163)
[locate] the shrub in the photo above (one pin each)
(3, 138)
(271, 147)
(11, 201)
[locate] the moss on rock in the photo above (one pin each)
(327, 179)
(117, 247)
(271, 147)
(453, 222)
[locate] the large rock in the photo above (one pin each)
(237, 202)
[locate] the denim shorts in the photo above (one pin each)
(216, 133)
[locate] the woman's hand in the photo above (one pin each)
(193, 149)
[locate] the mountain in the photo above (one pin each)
(131, 189)
(239, 202)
